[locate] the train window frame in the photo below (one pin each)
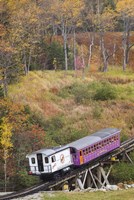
(84, 151)
(87, 152)
(46, 160)
(33, 160)
(73, 151)
(95, 147)
(92, 149)
(53, 159)
(80, 152)
(100, 145)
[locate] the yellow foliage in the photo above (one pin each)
(5, 137)
(68, 10)
(126, 7)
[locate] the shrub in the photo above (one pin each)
(105, 92)
(82, 94)
(65, 92)
(1, 92)
(124, 137)
(55, 52)
(23, 180)
(97, 112)
(122, 172)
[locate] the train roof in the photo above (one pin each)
(81, 143)
(93, 138)
(49, 151)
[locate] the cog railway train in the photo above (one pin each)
(48, 162)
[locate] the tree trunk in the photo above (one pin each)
(74, 49)
(83, 62)
(103, 52)
(124, 58)
(90, 49)
(29, 61)
(25, 63)
(5, 172)
(5, 82)
(65, 48)
(125, 42)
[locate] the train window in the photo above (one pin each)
(80, 153)
(114, 138)
(100, 145)
(89, 150)
(92, 149)
(53, 158)
(46, 160)
(86, 151)
(72, 150)
(33, 160)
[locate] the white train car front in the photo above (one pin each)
(46, 162)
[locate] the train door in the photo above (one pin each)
(40, 162)
(81, 158)
(53, 163)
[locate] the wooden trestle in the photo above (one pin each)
(96, 176)
(93, 177)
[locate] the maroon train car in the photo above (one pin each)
(88, 148)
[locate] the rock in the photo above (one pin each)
(129, 186)
(121, 185)
(126, 186)
(76, 190)
(112, 187)
(103, 190)
(88, 189)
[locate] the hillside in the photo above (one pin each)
(49, 108)
(69, 101)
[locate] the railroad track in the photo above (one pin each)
(125, 147)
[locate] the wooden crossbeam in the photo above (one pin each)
(105, 176)
(93, 178)
(128, 157)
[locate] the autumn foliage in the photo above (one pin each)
(73, 39)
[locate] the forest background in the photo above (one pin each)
(66, 70)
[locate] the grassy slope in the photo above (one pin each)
(114, 195)
(40, 90)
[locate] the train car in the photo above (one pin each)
(48, 162)
(90, 147)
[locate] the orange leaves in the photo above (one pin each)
(26, 132)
